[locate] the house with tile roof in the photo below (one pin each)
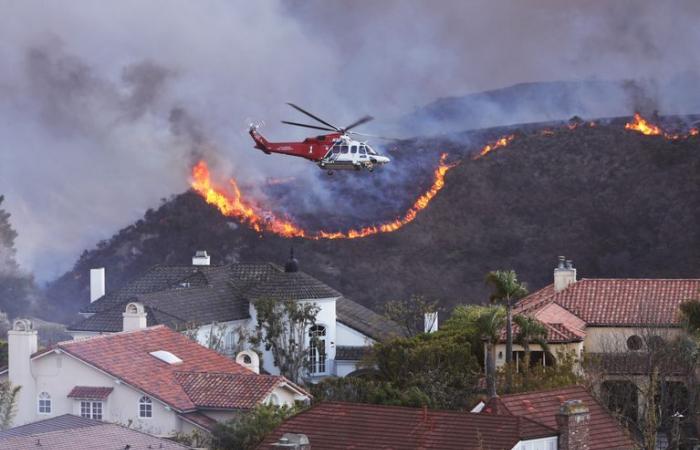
(153, 379)
(217, 303)
(337, 425)
(604, 431)
(622, 332)
(69, 432)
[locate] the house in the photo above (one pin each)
(625, 333)
(604, 432)
(155, 379)
(68, 432)
(336, 425)
(217, 303)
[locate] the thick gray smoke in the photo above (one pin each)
(104, 106)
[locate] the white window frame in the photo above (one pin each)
(147, 403)
(91, 413)
(44, 397)
(316, 360)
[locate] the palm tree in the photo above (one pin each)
(506, 291)
(490, 324)
(530, 330)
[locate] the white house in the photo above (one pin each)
(219, 301)
(154, 379)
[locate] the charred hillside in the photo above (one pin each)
(618, 203)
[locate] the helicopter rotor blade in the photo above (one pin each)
(372, 136)
(308, 126)
(360, 121)
(313, 117)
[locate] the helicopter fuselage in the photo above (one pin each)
(334, 151)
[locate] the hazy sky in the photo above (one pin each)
(104, 105)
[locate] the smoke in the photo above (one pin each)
(105, 106)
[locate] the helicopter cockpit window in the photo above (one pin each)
(371, 151)
(362, 150)
(343, 149)
(353, 149)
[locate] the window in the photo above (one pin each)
(230, 340)
(353, 149)
(145, 407)
(44, 403)
(317, 349)
(91, 410)
(363, 151)
(343, 149)
(274, 400)
(634, 342)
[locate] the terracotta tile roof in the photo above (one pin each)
(127, 356)
(226, 390)
(68, 432)
(90, 392)
(542, 406)
(557, 333)
(623, 302)
(378, 427)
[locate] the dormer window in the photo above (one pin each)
(44, 405)
(145, 407)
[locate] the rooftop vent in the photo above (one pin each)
(201, 258)
(292, 265)
(166, 357)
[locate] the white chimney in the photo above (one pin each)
(134, 317)
(97, 283)
(564, 274)
(201, 258)
(430, 322)
(22, 343)
(249, 359)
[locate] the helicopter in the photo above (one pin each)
(333, 151)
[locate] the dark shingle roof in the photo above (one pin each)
(363, 426)
(365, 320)
(68, 432)
(177, 296)
(347, 353)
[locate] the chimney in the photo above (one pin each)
(97, 283)
(564, 274)
(201, 258)
(430, 322)
(249, 359)
(22, 343)
(293, 442)
(134, 317)
(573, 422)
(293, 264)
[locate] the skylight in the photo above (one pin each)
(166, 357)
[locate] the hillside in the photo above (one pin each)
(618, 203)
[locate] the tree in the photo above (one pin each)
(247, 431)
(8, 403)
(409, 314)
(490, 323)
(690, 315)
(506, 290)
(282, 328)
(529, 330)
(437, 369)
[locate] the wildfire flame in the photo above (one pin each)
(643, 126)
(501, 142)
(231, 203)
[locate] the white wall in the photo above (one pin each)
(347, 336)
(548, 443)
(58, 373)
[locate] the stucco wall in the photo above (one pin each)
(614, 339)
(58, 373)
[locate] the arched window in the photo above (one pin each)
(145, 407)
(230, 340)
(44, 403)
(634, 342)
(274, 400)
(317, 349)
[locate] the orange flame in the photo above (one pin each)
(501, 142)
(643, 126)
(233, 204)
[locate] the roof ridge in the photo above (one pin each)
(108, 336)
(251, 374)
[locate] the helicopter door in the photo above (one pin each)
(354, 155)
(363, 153)
(344, 155)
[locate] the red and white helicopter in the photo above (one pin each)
(334, 151)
